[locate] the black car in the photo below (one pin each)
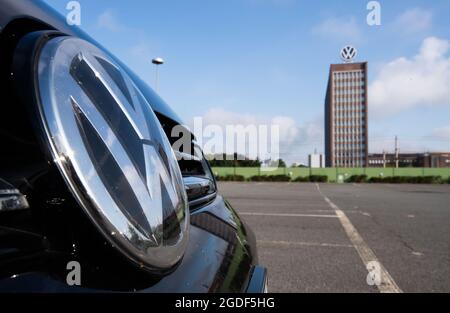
(93, 197)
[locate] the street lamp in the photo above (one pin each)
(157, 62)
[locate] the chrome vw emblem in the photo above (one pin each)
(348, 53)
(113, 152)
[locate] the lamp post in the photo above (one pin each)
(157, 62)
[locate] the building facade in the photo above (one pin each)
(346, 127)
(428, 160)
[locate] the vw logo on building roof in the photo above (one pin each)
(348, 53)
(112, 151)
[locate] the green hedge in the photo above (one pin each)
(302, 179)
(333, 173)
(351, 179)
(409, 180)
(312, 179)
(318, 179)
(231, 178)
(357, 179)
(272, 178)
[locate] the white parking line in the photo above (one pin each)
(302, 243)
(366, 254)
(286, 215)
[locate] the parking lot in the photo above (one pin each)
(321, 237)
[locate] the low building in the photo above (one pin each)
(436, 159)
(429, 160)
(316, 161)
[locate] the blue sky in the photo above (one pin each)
(256, 60)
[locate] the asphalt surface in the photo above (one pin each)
(309, 246)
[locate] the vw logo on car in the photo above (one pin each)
(112, 152)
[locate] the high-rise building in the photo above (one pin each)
(346, 129)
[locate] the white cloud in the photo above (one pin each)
(423, 80)
(414, 20)
(339, 28)
(221, 117)
(109, 21)
(295, 141)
